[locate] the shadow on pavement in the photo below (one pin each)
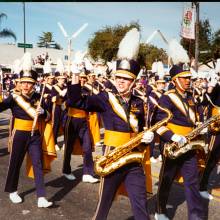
(65, 185)
(4, 152)
(61, 182)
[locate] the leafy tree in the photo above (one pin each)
(205, 39)
(104, 43)
(216, 44)
(5, 32)
(149, 53)
(46, 40)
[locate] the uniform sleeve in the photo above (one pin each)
(6, 103)
(93, 103)
(164, 132)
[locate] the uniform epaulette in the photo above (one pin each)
(169, 91)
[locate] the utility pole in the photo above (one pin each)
(197, 37)
(24, 27)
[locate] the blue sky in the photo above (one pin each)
(165, 16)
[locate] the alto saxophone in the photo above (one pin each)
(173, 150)
(123, 155)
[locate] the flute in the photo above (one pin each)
(36, 116)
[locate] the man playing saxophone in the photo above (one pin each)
(180, 102)
(123, 116)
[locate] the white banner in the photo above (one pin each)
(188, 23)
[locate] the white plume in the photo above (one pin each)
(217, 66)
(17, 66)
(26, 62)
(60, 66)
(129, 45)
(160, 68)
(47, 67)
(154, 67)
(177, 53)
(194, 73)
(74, 68)
(203, 74)
(212, 75)
(88, 64)
(78, 57)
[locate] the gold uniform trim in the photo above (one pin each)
(92, 89)
(24, 125)
(116, 138)
(179, 129)
(180, 105)
(124, 72)
(76, 113)
(118, 109)
(24, 105)
(183, 74)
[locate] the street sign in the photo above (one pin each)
(25, 45)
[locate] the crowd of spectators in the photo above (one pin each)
(41, 59)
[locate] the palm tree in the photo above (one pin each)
(46, 40)
(6, 32)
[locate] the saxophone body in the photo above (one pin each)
(124, 154)
(173, 150)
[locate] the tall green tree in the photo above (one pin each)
(104, 43)
(5, 32)
(46, 40)
(149, 53)
(216, 44)
(205, 42)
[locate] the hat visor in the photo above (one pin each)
(183, 75)
(63, 77)
(125, 74)
(160, 81)
(27, 79)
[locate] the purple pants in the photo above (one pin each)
(187, 165)
(22, 143)
(134, 179)
(78, 128)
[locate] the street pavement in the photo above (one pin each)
(77, 200)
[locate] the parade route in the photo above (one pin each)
(77, 200)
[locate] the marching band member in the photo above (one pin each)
(213, 155)
(77, 127)
(49, 81)
(180, 102)
(58, 97)
(123, 115)
(24, 111)
(156, 94)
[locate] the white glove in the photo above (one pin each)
(39, 111)
(63, 92)
(181, 140)
(147, 137)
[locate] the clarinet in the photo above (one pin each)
(39, 104)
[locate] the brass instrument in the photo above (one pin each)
(214, 127)
(173, 150)
(123, 155)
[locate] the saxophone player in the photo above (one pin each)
(180, 102)
(123, 115)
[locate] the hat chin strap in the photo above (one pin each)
(128, 91)
(179, 84)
